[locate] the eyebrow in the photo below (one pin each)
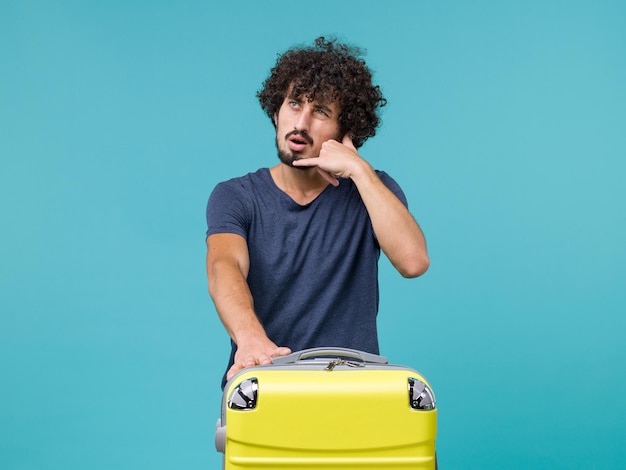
(317, 104)
(324, 108)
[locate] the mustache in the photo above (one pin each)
(302, 134)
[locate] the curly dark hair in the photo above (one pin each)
(329, 71)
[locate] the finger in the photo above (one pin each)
(305, 162)
(250, 361)
(281, 351)
(264, 359)
(233, 370)
(347, 141)
(328, 177)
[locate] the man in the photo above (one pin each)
(292, 251)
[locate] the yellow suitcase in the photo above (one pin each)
(328, 408)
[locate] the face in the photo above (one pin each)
(302, 128)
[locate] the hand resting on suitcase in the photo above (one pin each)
(255, 351)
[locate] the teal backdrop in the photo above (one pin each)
(506, 127)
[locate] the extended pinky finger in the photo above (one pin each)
(328, 177)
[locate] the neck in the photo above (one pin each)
(303, 186)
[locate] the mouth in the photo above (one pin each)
(298, 141)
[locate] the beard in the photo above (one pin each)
(287, 156)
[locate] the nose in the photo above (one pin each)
(303, 119)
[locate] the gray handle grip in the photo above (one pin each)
(329, 352)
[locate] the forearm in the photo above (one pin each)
(233, 301)
(399, 235)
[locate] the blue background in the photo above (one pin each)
(505, 126)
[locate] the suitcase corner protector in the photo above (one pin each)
(220, 436)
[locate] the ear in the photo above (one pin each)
(275, 119)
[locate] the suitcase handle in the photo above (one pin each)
(329, 352)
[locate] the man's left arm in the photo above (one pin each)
(398, 233)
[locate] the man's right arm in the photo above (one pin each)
(227, 265)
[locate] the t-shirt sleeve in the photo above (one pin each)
(226, 211)
(393, 186)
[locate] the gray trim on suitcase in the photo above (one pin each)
(332, 352)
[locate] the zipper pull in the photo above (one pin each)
(342, 362)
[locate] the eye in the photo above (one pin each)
(322, 112)
(293, 104)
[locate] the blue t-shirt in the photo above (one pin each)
(313, 268)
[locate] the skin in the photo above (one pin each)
(317, 161)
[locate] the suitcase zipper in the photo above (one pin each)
(342, 362)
